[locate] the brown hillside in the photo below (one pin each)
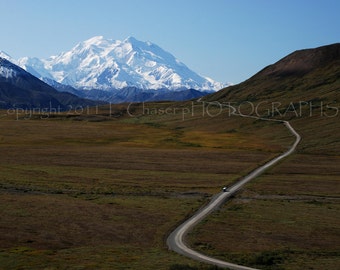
(302, 75)
(303, 87)
(303, 61)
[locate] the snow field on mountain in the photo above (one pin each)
(106, 64)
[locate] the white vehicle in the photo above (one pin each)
(225, 189)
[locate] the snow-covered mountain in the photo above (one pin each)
(6, 56)
(20, 89)
(8, 70)
(106, 64)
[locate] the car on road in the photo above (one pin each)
(224, 189)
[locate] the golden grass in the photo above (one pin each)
(101, 191)
(104, 194)
(285, 219)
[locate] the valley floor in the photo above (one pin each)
(96, 192)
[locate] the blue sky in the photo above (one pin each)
(227, 40)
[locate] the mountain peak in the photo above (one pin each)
(131, 39)
(94, 40)
(107, 64)
(137, 44)
(20, 89)
(7, 68)
(5, 55)
(97, 41)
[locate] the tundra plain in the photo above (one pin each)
(102, 189)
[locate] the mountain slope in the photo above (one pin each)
(20, 89)
(303, 88)
(105, 64)
(301, 76)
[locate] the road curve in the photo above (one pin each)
(175, 240)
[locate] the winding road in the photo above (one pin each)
(176, 240)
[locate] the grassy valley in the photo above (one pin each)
(101, 188)
(87, 191)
